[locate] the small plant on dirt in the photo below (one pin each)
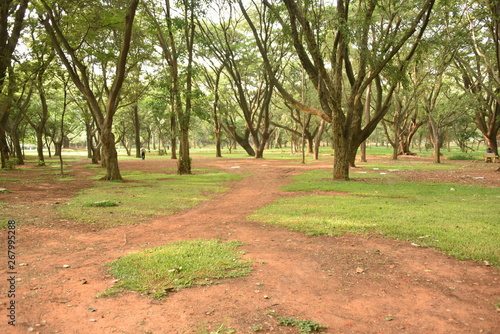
(157, 271)
(101, 204)
(222, 329)
(257, 328)
(304, 325)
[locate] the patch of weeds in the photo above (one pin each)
(101, 204)
(304, 325)
(461, 156)
(157, 271)
(222, 329)
(257, 328)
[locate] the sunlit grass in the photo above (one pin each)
(143, 196)
(461, 220)
(157, 271)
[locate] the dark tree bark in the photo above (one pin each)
(137, 131)
(11, 23)
(340, 84)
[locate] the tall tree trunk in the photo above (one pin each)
(341, 150)
(137, 131)
(173, 137)
(367, 119)
(110, 155)
(184, 162)
(4, 147)
(436, 140)
(39, 147)
(317, 142)
(17, 146)
(218, 146)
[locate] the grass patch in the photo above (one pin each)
(461, 220)
(65, 178)
(6, 179)
(157, 271)
(402, 165)
(101, 204)
(143, 196)
(461, 156)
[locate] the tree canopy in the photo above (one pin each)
(169, 75)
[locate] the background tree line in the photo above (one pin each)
(166, 75)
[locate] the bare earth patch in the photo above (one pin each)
(350, 283)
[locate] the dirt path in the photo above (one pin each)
(402, 289)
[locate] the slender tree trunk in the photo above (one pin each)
(436, 141)
(137, 132)
(39, 147)
(17, 146)
(173, 138)
(218, 146)
(367, 119)
(4, 147)
(318, 139)
(184, 162)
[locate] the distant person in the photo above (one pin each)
(143, 153)
(489, 150)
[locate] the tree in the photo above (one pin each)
(251, 85)
(214, 85)
(344, 49)
(11, 23)
(19, 92)
(42, 57)
(170, 39)
(71, 55)
(405, 114)
(478, 59)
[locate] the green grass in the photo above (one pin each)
(102, 204)
(304, 326)
(143, 196)
(182, 264)
(401, 165)
(461, 220)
